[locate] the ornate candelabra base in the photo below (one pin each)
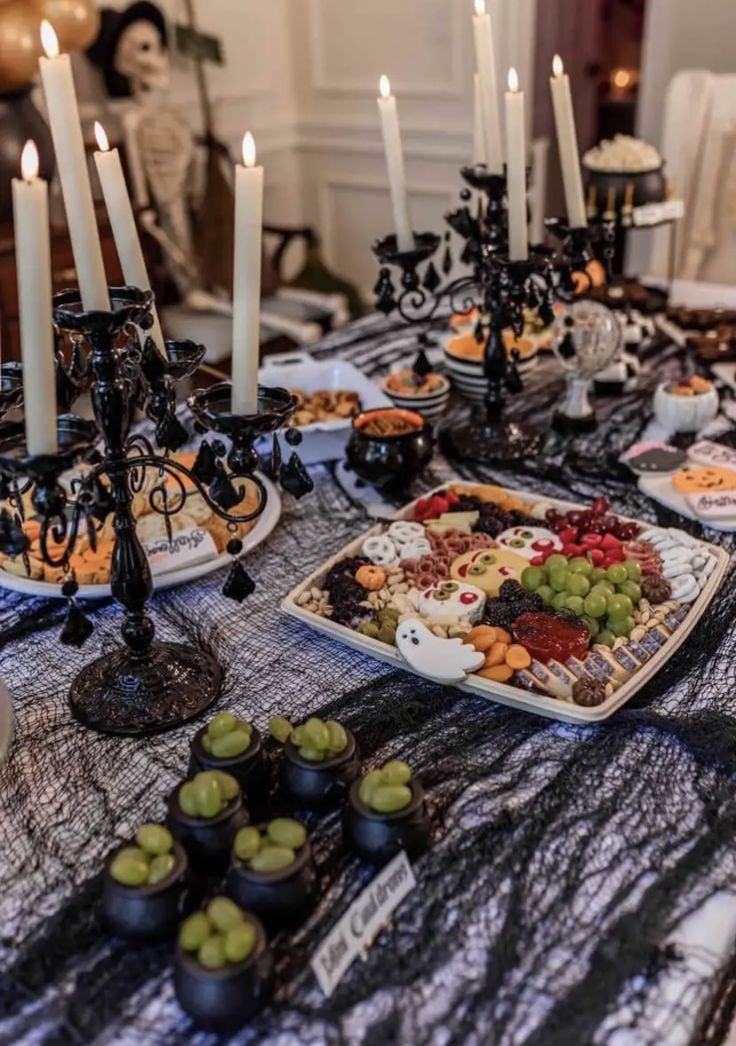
(125, 693)
(488, 442)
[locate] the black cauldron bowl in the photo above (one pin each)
(280, 899)
(207, 841)
(389, 462)
(379, 837)
(249, 768)
(223, 1000)
(147, 913)
(319, 786)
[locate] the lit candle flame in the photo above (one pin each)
(384, 86)
(513, 80)
(249, 150)
(102, 141)
(558, 69)
(49, 40)
(29, 161)
(480, 7)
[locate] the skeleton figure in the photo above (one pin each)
(160, 148)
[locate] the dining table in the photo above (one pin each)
(580, 885)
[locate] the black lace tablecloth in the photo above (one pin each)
(581, 886)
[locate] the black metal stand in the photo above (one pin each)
(146, 686)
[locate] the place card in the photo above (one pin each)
(706, 452)
(362, 922)
(187, 548)
(713, 506)
(654, 213)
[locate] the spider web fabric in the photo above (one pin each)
(581, 885)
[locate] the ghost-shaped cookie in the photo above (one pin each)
(443, 660)
(450, 600)
(488, 568)
(529, 542)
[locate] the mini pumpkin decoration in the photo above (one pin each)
(371, 578)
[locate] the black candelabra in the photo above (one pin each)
(500, 290)
(146, 685)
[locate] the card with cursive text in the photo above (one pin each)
(187, 548)
(713, 506)
(362, 922)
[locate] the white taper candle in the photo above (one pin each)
(391, 129)
(516, 170)
(567, 142)
(485, 58)
(33, 264)
(247, 280)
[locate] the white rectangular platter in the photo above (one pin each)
(505, 693)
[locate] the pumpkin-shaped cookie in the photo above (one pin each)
(703, 478)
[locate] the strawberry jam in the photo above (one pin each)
(548, 637)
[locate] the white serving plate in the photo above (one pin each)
(322, 440)
(265, 524)
(504, 693)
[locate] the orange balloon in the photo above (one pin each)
(20, 44)
(77, 22)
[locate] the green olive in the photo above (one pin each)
(228, 785)
(368, 785)
(188, 799)
(338, 736)
(387, 634)
(313, 755)
(370, 629)
(130, 867)
(211, 952)
(516, 543)
(154, 839)
(316, 733)
(476, 570)
(387, 799)
(222, 724)
(224, 914)
(284, 831)
(487, 559)
(450, 586)
(240, 942)
(280, 728)
(396, 772)
(232, 744)
(161, 867)
(247, 843)
(194, 931)
(208, 795)
(272, 859)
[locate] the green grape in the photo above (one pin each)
(619, 606)
(575, 605)
(603, 588)
(546, 593)
(633, 570)
(595, 604)
(556, 562)
(560, 601)
(591, 624)
(578, 585)
(558, 580)
(616, 574)
(620, 626)
(597, 574)
(581, 565)
(532, 578)
(606, 637)
(632, 590)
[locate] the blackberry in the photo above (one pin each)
(345, 570)
(512, 590)
(349, 612)
(499, 614)
(467, 503)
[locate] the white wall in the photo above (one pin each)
(682, 34)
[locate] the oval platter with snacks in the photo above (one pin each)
(196, 549)
(559, 609)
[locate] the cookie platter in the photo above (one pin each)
(437, 605)
(199, 528)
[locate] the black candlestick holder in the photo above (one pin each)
(496, 287)
(146, 685)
